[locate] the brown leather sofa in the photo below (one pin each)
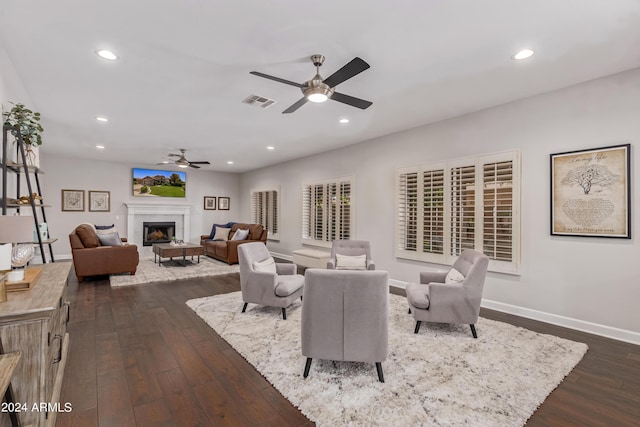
(92, 259)
(227, 250)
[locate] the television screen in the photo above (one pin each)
(158, 183)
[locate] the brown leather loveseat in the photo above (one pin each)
(91, 258)
(227, 250)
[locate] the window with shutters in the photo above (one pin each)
(326, 211)
(265, 210)
(471, 203)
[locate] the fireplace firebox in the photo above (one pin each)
(157, 232)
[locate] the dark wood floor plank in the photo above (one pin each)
(141, 377)
(180, 399)
(139, 356)
(114, 403)
(153, 414)
(78, 418)
(108, 354)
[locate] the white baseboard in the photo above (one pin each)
(567, 322)
(554, 319)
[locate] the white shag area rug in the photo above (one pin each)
(439, 377)
(148, 271)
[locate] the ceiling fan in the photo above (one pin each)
(182, 161)
(319, 90)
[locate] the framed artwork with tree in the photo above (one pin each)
(591, 192)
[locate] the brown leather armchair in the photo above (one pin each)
(92, 259)
(227, 250)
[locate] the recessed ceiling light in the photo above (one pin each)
(102, 119)
(107, 54)
(100, 147)
(229, 162)
(523, 54)
(271, 148)
(344, 121)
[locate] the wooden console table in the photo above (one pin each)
(34, 323)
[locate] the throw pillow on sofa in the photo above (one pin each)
(109, 239)
(215, 226)
(240, 234)
(221, 233)
(87, 235)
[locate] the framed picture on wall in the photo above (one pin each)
(223, 203)
(73, 200)
(591, 192)
(99, 201)
(209, 203)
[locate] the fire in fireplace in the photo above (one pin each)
(157, 232)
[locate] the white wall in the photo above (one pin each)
(81, 174)
(587, 283)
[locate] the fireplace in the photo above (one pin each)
(157, 232)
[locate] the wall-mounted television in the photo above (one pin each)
(158, 183)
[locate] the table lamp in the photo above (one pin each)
(16, 245)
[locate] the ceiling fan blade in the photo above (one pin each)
(174, 155)
(350, 100)
(353, 68)
(191, 165)
(200, 163)
(277, 79)
(295, 106)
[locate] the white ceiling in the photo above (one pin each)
(184, 68)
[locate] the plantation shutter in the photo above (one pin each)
(498, 211)
(462, 197)
(264, 211)
(327, 212)
(470, 203)
(408, 211)
(433, 211)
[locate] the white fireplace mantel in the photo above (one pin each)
(134, 209)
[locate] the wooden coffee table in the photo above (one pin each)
(167, 250)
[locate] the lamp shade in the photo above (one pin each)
(16, 229)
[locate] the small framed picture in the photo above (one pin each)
(209, 203)
(223, 203)
(73, 200)
(99, 201)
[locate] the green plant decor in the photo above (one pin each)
(27, 123)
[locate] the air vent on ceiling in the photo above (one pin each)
(258, 101)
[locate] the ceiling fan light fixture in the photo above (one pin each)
(180, 165)
(317, 91)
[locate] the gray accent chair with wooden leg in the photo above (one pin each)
(345, 316)
(441, 297)
(276, 288)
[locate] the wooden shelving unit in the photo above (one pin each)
(19, 169)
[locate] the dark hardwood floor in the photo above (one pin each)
(140, 357)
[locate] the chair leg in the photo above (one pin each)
(379, 369)
(284, 313)
(307, 366)
(417, 327)
(244, 307)
(473, 331)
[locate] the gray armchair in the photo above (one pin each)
(277, 289)
(350, 248)
(433, 300)
(345, 316)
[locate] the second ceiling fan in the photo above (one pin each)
(182, 161)
(319, 90)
